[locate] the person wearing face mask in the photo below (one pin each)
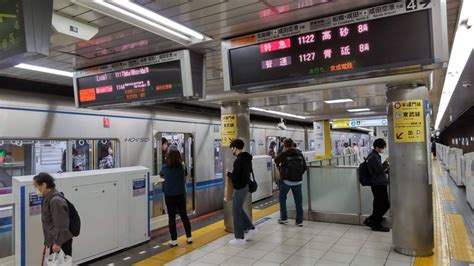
(379, 185)
(54, 215)
(240, 177)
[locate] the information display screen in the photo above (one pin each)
(12, 36)
(139, 84)
(392, 41)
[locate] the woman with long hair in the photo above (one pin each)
(174, 187)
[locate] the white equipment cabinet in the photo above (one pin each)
(113, 206)
(469, 170)
(262, 168)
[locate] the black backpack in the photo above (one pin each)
(364, 174)
(74, 219)
(294, 168)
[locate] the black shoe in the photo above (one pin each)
(367, 222)
(380, 228)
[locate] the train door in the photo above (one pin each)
(184, 143)
(106, 154)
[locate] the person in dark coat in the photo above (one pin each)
(240, 178)
(54, 215)
(378, 176)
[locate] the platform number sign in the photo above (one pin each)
(229, 129)
(411, 5)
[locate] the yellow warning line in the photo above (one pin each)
(460, 246)
(201, 237)
(441, 251)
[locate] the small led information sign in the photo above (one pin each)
(165, 77)
(369, 40)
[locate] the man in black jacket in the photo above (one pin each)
(240, 177)
(378, 176)
(292, 165)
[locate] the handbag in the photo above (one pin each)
(253, 184)
(58, 259)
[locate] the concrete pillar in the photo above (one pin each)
(235, 122)
(410, 183)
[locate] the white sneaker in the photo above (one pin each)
(189, 240)
(237, 241)
(251, 234)
(173, 243)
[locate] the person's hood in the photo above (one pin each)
(245, 156)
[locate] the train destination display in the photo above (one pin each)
(305, 53)
(165, 77)
(11, 29)
(131, 85)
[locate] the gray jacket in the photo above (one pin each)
(55, 218)
(376, 169)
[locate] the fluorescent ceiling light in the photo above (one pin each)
(460, 52)
(364, 129)
(132, 7)
(358, 110)
(339, 101)
(143, 18)
(45, 70)
(276, 113)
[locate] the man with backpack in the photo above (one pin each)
(377, 173)
(59, 217)
(292, 165)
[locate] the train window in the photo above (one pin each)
(81, 154)
(217, 159)
(48, 155)
(253, 147)
(106, 154)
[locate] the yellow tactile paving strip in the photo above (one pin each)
(201, 237)
(451, 238)
(460, 246)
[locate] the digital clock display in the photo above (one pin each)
(139, 84)
(393, 41)
(12, 37)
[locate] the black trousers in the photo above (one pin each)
(177, 204)
(380, 205)
(66, 247)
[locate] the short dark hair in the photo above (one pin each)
(42, 178)
(288, 143)
(237, 143)
(174, 159)
(164, 141)
(380, 143)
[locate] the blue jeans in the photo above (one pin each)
(242, 221)
(298, 198)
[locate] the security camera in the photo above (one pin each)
(282, 125)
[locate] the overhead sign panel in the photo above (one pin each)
(353, 123)
(165, 77)
(24, 30)
(346, 46)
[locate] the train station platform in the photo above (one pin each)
(320, 243)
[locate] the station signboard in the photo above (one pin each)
(396, 37)
(164, 77)
(353, 123)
